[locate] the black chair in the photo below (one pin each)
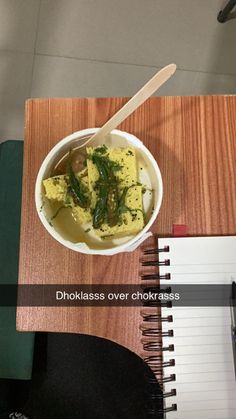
(85, 377)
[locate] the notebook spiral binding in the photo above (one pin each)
(152, 334)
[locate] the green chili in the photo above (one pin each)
(77, 189)
(99, 214)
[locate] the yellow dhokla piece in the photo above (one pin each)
(56, 189)
(81, 215)
(125, 157)
(132, 221)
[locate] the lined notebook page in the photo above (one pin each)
(204, 363)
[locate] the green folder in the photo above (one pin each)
(16, 348)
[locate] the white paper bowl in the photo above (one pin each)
(149, 175)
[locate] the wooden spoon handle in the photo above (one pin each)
(143, 94)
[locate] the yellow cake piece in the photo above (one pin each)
(132, 222)
(125, 157)
(55, 188)
(81, 215)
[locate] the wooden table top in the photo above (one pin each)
(194, 142)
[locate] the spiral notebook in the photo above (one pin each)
(198, 365)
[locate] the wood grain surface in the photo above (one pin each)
(193, 141)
